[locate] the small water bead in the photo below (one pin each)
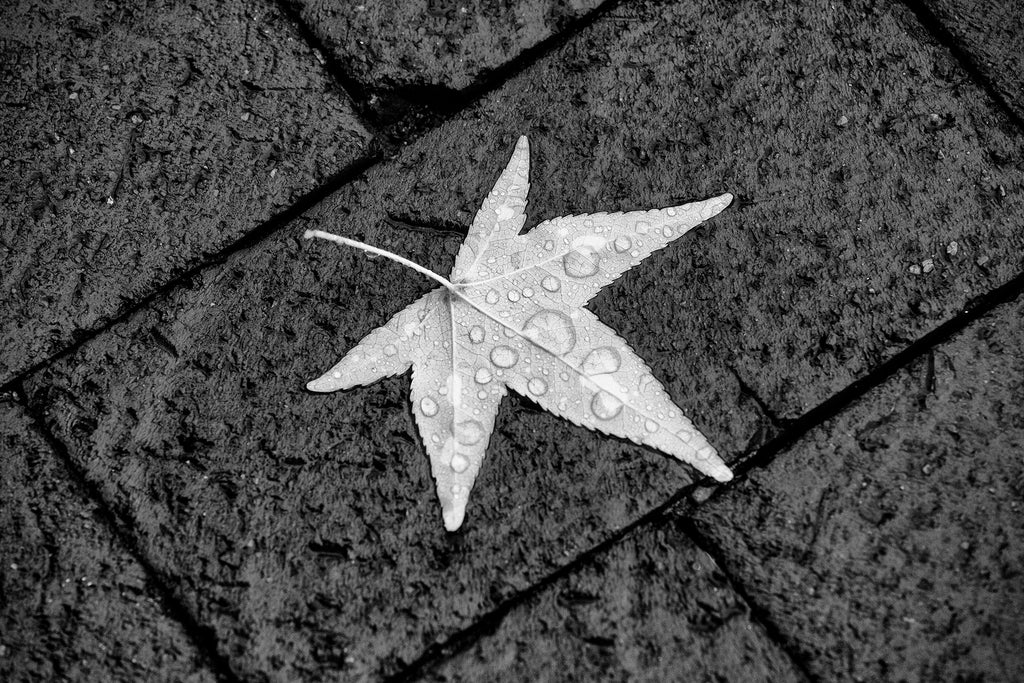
(481, 394)
(459, 463)
(622, 244)
(528, 292)
(643, 227)
(651, 426)
(671, 211)
(504, 356)
(634, 253)
(513, 296)
(564, 376)
(551, 330)
(551, 283)
(482, 376)
(537, 386)
(469, 432)
(549, 245)
(336, 375)
(476, 334)
(668, 231)
(390, 349)
(605, 406)
(581, 263)
(492, 297)
(602, 361)
(428, 406)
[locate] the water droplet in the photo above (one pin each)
(459, 463)
(458, 489)
(685, 436)
(509, 332)
(581, 263)
(564, 376)
(601, 361)
(481, 395)
(513, 295)
(605, 406)
(504, 213)
(492, 297)
(469, 432)
(476, 334)
(622, 244)
(671, 211)
(390, 349)
(537, 386)
(428, 406)
(482, 376)
(643, 227)
(528, 292)
(549, 245)
(552, 330)
(652, 426)
(336, 375)
(551, 283)
(504, 356)
(668, 231)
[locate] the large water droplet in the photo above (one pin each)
(552, 330)
(504, 356)
(605, 406)
(469, 432)
(428, 406)
(513, 295)
(601, 361)
(482, 376)
(668, 231)
(581, 263)
(459, 463)
(390, 349)
(643, 227)
(476, 334)
(528, 292)
(622, 244)
(491, 297)
(551, 283)
(651, 426)
(537, 386)
(549, 245)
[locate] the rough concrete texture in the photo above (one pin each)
(305, 529)
(74, 604)
(135, 140)
(991, 34)
(426, 48)
(889, 543)
(653, 608)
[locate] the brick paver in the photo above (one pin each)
(74, 604)
(888, 543)
(135, 140)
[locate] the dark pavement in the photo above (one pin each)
(175, 505)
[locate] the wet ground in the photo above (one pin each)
(174, 505)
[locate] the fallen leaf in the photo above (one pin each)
(512, 317)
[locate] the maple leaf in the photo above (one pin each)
(512, 317)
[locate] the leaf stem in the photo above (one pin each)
(310, 234)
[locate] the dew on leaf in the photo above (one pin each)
(528, 292)
(492, 297)
(601, 361)
(537, 386)
(476, 334)
(581, 263)
(390, 349)
(549, 245)
(504, 356)
(459, 463)
(552, 330)
(513, 295)
(428, 406)
(551, 283)
(643, 227)
(622, 244)
(651, 426)
(605, 406)
(469, 432)
(482, 376)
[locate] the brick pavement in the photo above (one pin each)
(292, 536)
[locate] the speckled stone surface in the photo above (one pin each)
(888, 544)
(74, 604)
(134, 141)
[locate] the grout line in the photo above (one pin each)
(201, 636)
(759, 615)
(487, 624)
(935, 27)
(268, 228)
(795, 429)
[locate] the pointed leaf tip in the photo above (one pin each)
(321, 385)
(309, 234)
(453, 516)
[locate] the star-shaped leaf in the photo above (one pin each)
(512, 317)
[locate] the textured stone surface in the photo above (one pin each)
(889, 543)
(653, 608)
(424, 48)
(74, 604)
(135, 140)
(305, 529)
(991, 33)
